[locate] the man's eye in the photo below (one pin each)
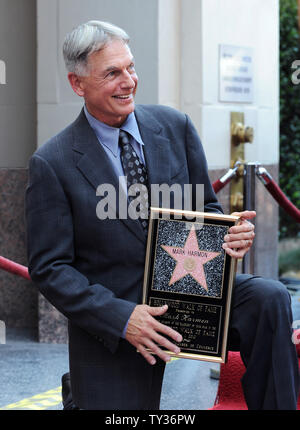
(111, 74)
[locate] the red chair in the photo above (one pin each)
(230, 393)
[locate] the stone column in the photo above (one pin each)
(18, 297)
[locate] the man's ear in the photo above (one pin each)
(76, 84)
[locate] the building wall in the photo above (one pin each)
(236, 23)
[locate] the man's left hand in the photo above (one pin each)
(240, 237)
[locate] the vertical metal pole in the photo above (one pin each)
(248, 263)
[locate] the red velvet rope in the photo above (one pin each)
(281, 198)
(15, 268)
(283, 201)
(224, 180)
(218, 185)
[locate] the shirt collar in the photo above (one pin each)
(130, 125)
(109, 136)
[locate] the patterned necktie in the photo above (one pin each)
(136, 174)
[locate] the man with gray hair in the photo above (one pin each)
(92, 269)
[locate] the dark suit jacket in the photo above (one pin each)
(90, 269)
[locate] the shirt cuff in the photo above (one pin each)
(125, 329)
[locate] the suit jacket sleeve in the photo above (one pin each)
(50, 243)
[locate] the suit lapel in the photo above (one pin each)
(95, 166)
(156, 147)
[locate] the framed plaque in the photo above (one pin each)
(187, 269)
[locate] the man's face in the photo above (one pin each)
(111, 83)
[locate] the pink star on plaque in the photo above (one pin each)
(190, 260)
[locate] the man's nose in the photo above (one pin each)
(128, 80)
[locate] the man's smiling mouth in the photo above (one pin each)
(128, 96)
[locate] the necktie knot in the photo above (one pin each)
(124, 138)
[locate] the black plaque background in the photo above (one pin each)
(202, 320)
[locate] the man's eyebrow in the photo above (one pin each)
(112, 68)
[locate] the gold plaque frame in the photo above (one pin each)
(187, 269)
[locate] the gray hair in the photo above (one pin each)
(86, 39)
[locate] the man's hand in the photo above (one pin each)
(143, 332)
(240, 237)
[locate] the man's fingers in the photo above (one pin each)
(157, 351)
(153, 345)
(236, 253)
(162, 341)
(168, 331)
(245, 214)
(145, 332)
(244, 226)
(162, 328)
(146, 354)
(238, 244)
(239, 237)
(157, 310)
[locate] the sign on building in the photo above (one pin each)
(235, 74)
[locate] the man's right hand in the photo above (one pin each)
(143, 333)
